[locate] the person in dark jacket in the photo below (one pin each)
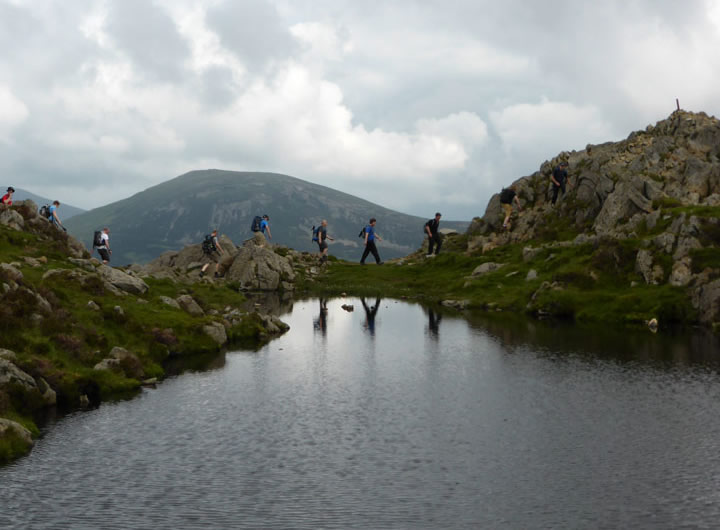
(559, 179)
(434, 237)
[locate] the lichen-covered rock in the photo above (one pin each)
(486, 267)
(11, 429)
(188, 304)
(123, 281)
(9, 272)
(11, 218)
(11, 374)
(706, 299)
(257, 267)
(122, 360)
(216, 331)
(169, 301)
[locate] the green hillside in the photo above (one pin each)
(182, 210)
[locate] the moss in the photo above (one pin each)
(666, 202)
(13, 446)
(705, 258)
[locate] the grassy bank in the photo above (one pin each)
(62, 345)
(591, 283)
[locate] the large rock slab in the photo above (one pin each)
(257, 267)
(11, 374)
(706, 299)
(123, 281)
(188, 304)
(216, 331)
(11, 218)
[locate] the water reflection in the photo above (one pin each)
(434, 319)
(320, 323)
(370, 314)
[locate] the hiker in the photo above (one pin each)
(211, 253)
(265, 225)
(53, 216)
(322, 239)
(7, 198)
(370, 314)
(370, 237)
(507, 195)
(559, 177)
(434, 237)
(104, 245)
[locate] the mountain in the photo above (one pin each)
(181, 211)
(66, 211)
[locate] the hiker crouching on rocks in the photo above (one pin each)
(434, 237)
(7, 198)
(322, 239)
(104, 247)
(370, 237)
(559, 177)
(53, 216)
(507, 195)
(211, 253)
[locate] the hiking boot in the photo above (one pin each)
(202, 273)
(217, 275)
(381, 262)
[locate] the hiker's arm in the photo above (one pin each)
(517, 201)
(57, 219)
(268, 231)
(429, 232)
(366, 236)
(220, 249)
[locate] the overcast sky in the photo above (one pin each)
(419, 105)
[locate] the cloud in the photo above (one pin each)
(13, 111)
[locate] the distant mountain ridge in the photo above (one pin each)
(181, 211)
(66, 211)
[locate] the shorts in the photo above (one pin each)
(104, 254)
(210, 257)
(323, 245)
(507, 208)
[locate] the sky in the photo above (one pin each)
(418, 105)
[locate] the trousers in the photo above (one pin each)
(370, 248)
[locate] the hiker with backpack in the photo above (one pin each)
(52, 215)
(321, 237)
(434, 237)
(558, 178)
(101, 242)
(370, 237)
(507, 196)
(7, 198)
(261, 224)
(211, 253)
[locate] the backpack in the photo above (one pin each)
(506, 196)
(255, 226)
(45, 211)
(97, 239)
(362, 232)
(208, 245)
(315, 234)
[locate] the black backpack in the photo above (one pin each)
(97, 239)
(506, 196)
(45, 211)
(255, 226)
(362, 232)
(208, 244)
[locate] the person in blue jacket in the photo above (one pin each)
(370, 237)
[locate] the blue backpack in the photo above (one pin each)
(315, 234)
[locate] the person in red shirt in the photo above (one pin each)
(7, 198)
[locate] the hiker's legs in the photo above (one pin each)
(508, 213)
(431, 244)
(556, 188)
(366, 252)
(373, 249)
(438, 242)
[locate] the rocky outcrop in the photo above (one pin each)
(656, 190)
(188, 304)
(121, 360)
(122, 280)
(216, 332)
(257, 267)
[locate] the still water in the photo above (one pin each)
(396, 416)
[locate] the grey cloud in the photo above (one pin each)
(149, 37)
(253, 30)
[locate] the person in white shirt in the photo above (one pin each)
(104, 248)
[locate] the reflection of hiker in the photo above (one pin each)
(211, 253)
(53, 216)
(322, 239)
(370, 313)
(559, 177)
(7, 198)
(370, 237)
(434, 238)
(103, 246)
(434, 322)
(321, 322)
(507, 195)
